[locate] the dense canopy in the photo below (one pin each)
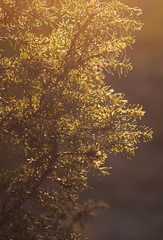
(57, 112)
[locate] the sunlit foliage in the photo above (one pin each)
(56, 109)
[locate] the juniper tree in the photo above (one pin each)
(57, 110)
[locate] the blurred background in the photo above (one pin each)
(134, 190)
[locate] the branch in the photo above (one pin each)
(16, 206)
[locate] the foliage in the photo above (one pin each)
(56, 109)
